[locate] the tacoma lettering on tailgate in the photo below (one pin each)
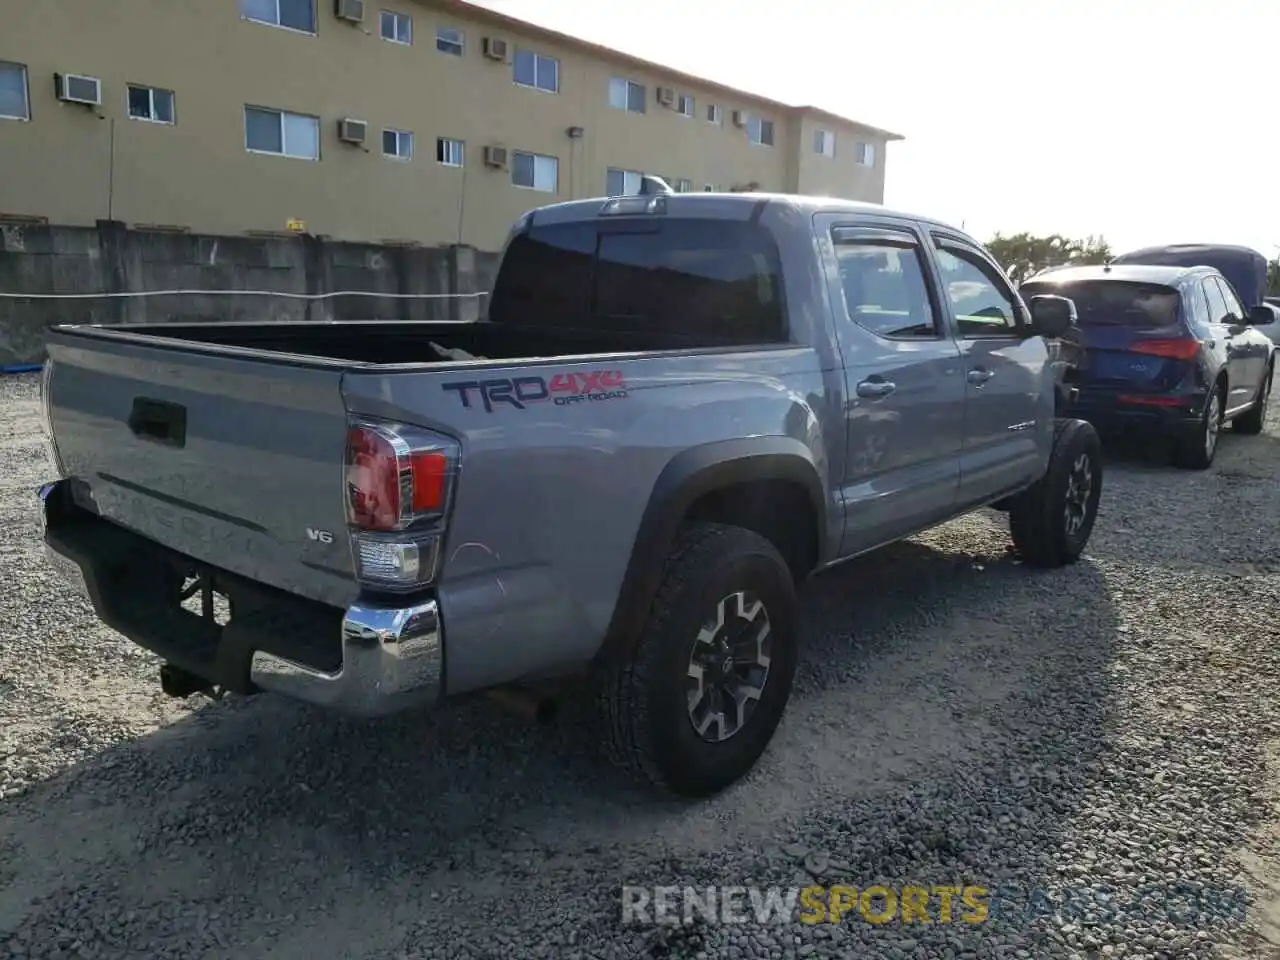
(562, 389)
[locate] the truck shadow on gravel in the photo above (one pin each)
(941, 686)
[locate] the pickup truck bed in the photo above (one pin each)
(684, 405)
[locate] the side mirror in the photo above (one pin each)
(1261, 315)
(1051, 316)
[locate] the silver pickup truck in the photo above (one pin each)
(677, 408)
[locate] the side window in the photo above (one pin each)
(884, 288)
(1217, 305)
(1197, 306)
(1231, 300)
(983, 303)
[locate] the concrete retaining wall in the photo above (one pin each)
(113, 258)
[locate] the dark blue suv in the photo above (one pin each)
(1165, 350)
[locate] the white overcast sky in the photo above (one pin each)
(1145, 121)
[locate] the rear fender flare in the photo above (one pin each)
(687, 477)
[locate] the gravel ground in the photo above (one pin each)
(1107, 729)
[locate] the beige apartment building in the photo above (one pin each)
(429, 121)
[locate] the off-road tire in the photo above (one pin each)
(642, 698)
(1038, 516)
(1193, 451)
(1251, 421)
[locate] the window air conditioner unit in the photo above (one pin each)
(495, 156)
(666, 96)
(352, 131)
(73, 88)
(350, 10)
(495, 48)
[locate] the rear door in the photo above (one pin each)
(1246, 356)
(234, 461)
(904, 409)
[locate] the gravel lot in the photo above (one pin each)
(958, 720)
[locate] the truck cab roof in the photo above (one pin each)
(728, 206)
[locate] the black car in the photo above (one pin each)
(1164, 350)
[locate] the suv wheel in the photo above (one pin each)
(1052, 520)
(696, 703)
(1197, 450)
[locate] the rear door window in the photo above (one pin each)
(1217, 305)
(701, 278)
(1116, 303)
(884, 288)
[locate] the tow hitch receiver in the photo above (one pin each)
(179, 683)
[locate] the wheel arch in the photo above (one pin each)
(711, 482)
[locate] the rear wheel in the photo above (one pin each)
(696, 703)
(1196, 450)
(1251, 421)
(1051, 521)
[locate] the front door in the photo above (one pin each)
(1009, 389)
(904, 406)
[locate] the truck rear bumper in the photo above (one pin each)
(365, 661)
(392, 660)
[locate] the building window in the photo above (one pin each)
(535, 172)
(398, 144)
(280, 133)
(150, 103)
(715, 114)
(15, 104)
(626, 95)
(621, 183)
(684, 105)
(450, 41)
(681, 185)
(534, 70)
(760, 131)
(710, 188)
(449, 152)
(866, 154)
(824, 142)
(397, 27)
(291, 14)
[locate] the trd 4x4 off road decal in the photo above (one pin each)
(562, 389)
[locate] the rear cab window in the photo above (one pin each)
(1122, 303)
(702, 278)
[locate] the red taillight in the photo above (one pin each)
(1180, 348)
(430, 472)
(395, 475)
(1141, 400)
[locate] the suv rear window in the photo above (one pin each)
(698, 278)
(1115, 302)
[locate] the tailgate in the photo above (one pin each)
(234, 461)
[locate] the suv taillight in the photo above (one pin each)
(399, 484)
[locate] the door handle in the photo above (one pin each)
(876, 388)
(978, 376)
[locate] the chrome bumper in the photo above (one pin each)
(392, 660)
(392, 657)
